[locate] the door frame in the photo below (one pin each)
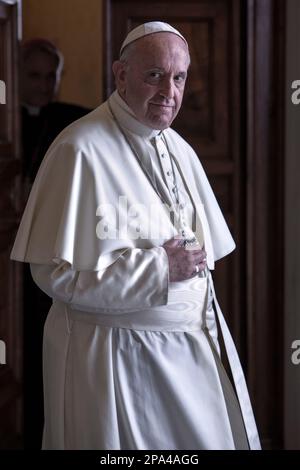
(265, 43)
(263, 72)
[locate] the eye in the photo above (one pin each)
(154, 74)
(179, 78)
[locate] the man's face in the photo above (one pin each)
(39, 79)
(152, 82)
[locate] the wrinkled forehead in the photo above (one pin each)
(40, 58)
(160, 47)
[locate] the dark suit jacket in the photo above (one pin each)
(38, 132)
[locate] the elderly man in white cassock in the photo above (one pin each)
(122, 231)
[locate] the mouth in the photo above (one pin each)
(161, 105)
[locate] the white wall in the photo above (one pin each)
(292, 230)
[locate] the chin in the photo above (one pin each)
(39, 104)
(159, 124)
(164, 125)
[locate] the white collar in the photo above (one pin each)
(32, 110)
(127, 118)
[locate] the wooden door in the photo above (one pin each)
(265, 54)
(210, 116)
(10, 276)
(228, 117)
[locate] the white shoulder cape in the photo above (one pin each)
(82, 177)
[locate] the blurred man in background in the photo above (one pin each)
(43, 118)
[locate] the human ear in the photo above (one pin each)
(119, 71)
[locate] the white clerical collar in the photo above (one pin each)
(32, 110)
(127, 118)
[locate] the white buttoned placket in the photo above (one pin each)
(173, 184)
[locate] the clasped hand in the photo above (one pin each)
(183, 263)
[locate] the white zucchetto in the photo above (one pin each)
(149, 28)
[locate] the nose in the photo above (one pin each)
(41, 85)
(167, 89)
(45, 84)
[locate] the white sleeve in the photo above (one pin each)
(138, 279)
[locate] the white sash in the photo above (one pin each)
(238, 376)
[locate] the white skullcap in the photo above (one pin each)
(149, 28)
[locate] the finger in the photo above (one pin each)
(198, 269)
(200, 254)
(196, 257)
(202, 265)
(200, 257)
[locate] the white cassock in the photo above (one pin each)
(131, 361)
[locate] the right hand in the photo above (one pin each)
(183, 262)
